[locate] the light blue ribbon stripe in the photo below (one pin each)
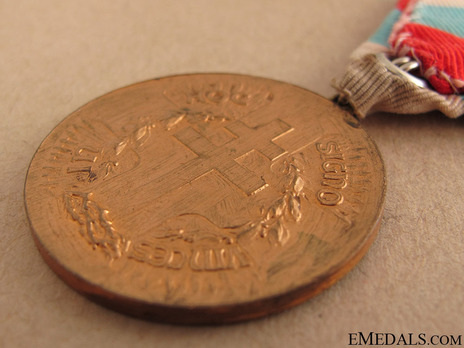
(449, 19)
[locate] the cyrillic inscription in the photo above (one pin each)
(334, 176)
(199, 258)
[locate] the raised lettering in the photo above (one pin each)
(330, 147)
(334, 176)
(329, 197)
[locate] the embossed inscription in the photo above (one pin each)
(82, 163)
(334, 176)
(220, 93)
(217, 258)
(218, 101)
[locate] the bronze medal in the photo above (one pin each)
(205, 198)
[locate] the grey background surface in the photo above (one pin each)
(55, 56)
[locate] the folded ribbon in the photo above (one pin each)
(429, 31)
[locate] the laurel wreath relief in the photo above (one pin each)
(95, 225)
(274, 219)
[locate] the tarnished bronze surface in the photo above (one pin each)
(205, 198)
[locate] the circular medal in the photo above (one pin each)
(206, 198)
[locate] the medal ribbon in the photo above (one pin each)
(429, 32)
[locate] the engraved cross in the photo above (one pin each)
(223, 158)
(212, 157)
(258, 138)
